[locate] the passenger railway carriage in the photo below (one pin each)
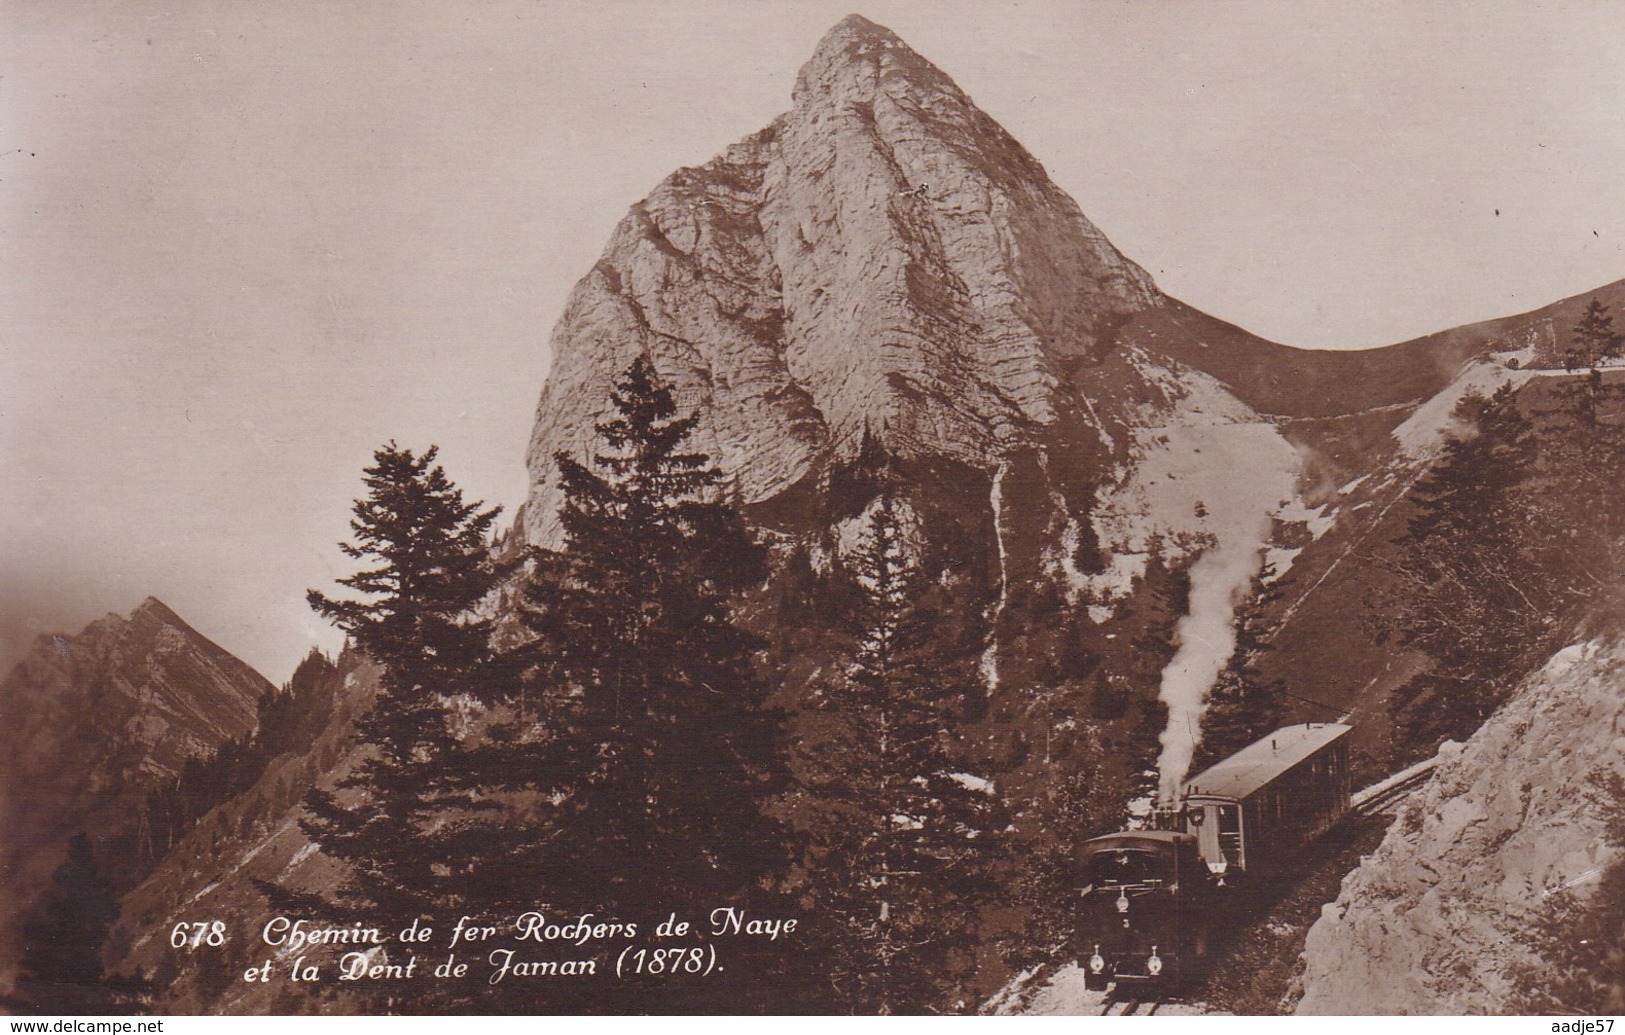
(1150, 895)
(1253, 811)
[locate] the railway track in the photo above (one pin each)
(1385, 794)
(1130, 1006)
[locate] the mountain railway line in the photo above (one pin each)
(1242, 929)
(1384, 794)
(1240, 835)
(1130, 1006)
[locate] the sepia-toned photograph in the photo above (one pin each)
(516, 507)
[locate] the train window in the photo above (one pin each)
(1127, 867)
(1230, 833)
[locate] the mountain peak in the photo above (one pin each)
(855, 36)
(857, 57)
(157, 609)
(884, 252)
(857, 27)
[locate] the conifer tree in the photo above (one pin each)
(1583, 443)
(1463, 595)
(661, 751)
(431, 566)
(1594, 336)
(63, 947)
(902, 850)
(1592, 341)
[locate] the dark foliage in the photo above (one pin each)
(1080, 797)
(904, 840)
(1461, 595)
(645, 751)
(1594, 339)
(432, 568)
(1579, 938)
(64, 944)
(1514, 544)
(60, 969)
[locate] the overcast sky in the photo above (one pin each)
(242, 243)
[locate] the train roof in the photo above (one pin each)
(1256, 765)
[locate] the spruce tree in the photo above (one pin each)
(430, 567)
(63, 946)
(1592, 340)
(661, 752)
(1594, 336)
(1464, 592)
(900, 863)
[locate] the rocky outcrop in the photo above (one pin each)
(883, 255)
(1437, 919)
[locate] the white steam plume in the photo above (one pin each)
(1214, 470)
(1207, 638)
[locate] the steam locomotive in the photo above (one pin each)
(1150, 896)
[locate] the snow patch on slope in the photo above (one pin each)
(1206, 468)
(1424, 430)
(1318, 521)
(971, 782)
(1279, 559)
(1208, 477)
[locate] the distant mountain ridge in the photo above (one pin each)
(95, 721)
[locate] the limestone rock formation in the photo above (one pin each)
(1436, 920)
(884, 254)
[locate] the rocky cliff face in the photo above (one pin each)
(884, 254)
(95, 721)
(1438, 918)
